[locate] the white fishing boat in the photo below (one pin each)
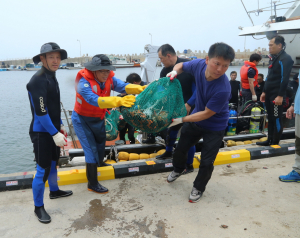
(121, 62)
(287, 25)
(74, 65)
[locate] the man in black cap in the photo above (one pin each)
(93, 85)
(46, 130)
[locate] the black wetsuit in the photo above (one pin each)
(235, 89)
(44, 98)
(276, 83)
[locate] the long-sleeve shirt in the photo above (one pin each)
(92, 98)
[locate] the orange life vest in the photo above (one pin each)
(244, 74)
(81, 106)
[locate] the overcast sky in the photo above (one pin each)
(123, 26)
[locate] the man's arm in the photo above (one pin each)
(251, 85)
(199, 116)
(286, 68)
(178, 68)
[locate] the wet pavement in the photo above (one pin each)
(242, 200)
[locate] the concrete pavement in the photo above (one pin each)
(247, 198)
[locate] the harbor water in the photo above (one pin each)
(16, 151)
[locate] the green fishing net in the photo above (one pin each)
(111, 127)
(156, 106)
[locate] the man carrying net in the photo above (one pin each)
(168, 57)
(209, 118)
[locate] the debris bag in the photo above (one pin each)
(111, 127)
(156, 106)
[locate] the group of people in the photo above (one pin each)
(206, 92)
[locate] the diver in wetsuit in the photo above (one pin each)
(46, 130)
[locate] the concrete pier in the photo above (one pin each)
(247, 197)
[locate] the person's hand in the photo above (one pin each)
(263, 97)
(188, 108)
(172, 75)
(111, 102)
(290, 113)
(59, 139)
(63, 130)
(278, 100)
(175, 122)
(254, 98)
(134, 88)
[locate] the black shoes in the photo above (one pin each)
(189, 169)
(98, 188)
(60, 194)
(166, 155)
(267, 143)
(92, 177)
(42, 215)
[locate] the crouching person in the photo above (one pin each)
(93, 85)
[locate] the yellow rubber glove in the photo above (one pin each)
(134, 88)
(111, 102)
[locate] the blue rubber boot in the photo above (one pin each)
(291, 177)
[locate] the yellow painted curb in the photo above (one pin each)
(227, 157)
(75, 176)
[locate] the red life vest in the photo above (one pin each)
(81, 106)
(244, 74)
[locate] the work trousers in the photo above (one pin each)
(191, 133)
(130, 133)
(275, 126)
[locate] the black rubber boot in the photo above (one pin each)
(60, 194)
(166, 155)
(93, 184)
(150, 139)
(103, 164)
(42, 215)
(264, 143)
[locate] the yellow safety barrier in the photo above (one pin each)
(227, 157)
(75, 176)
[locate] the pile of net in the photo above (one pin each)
(111, 125)
(156, 106)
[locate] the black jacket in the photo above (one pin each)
(186, 80)
(279, 71)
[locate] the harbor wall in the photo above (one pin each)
(240, 56)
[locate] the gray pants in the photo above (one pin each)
(296, 166)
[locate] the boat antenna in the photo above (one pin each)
(247, 13)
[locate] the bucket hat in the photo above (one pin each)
(50, 47)
(99, 62)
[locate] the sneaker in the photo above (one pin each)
(166, 155)
(195, 195)
(42, 215)
(173, 176)
(60, 194)
(291, 177)
(189, 169)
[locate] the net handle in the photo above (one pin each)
(111, 126)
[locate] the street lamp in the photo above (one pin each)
(151, 37)
(79, 47)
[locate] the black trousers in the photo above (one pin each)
(246, 96)
(191, 133)
(275, 125)
(130, 133)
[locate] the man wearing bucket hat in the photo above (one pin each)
(46, 130)
(93, 85)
